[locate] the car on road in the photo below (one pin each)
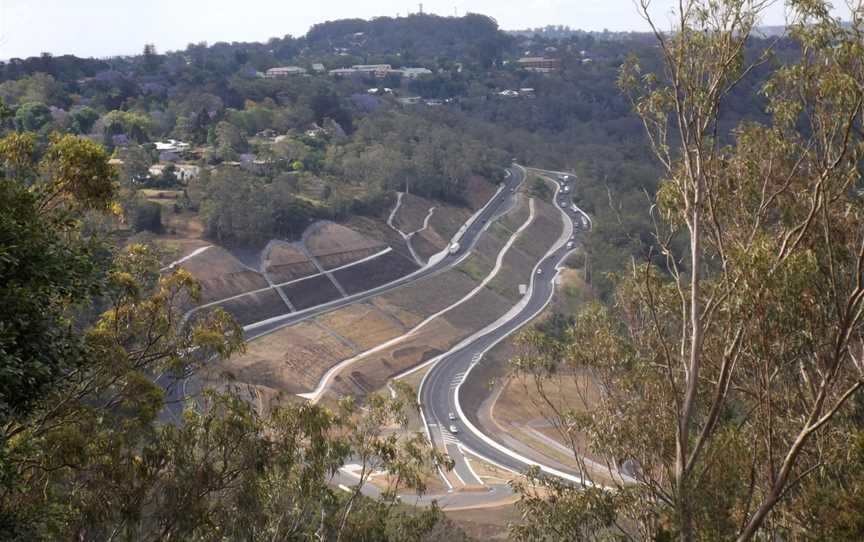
(454, 248)
(454, 429)
(451, 416)
(539, 271)
(570, 244)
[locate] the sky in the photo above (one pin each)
(103, 28)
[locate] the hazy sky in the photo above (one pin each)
(109, 27)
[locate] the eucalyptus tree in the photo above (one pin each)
(730, 362)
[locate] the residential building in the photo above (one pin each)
(318, 68)
(284, 71)
(540, 64)
(172, 145)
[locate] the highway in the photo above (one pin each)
(467, 237)
(440, 388)
(179, 389)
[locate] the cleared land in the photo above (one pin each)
(332, 261)
(362, 324)
(288, 359)
(284, 262)
(255, 307)
(372, 372)
(546, 228)
(430, 294)
(310, 292)
(222, 275)
(375, 272)
(482, 309)
(412, 213)
(328, 238)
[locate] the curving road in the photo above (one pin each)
(440, 388)
(467, 237)
(179, 389)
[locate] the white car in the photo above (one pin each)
(539, 271)
(570, 244)
(451, 416)
(454, 429)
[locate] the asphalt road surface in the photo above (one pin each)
(439, 389)
(499, 204)
(178, 390)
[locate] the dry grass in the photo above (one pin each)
(430, 294)
(222, 275)
(373, 371)
(362, 324)
(543, 232)
(409, 319)
(330, 238)
(488, 523)
(291, 359)
(412, 213)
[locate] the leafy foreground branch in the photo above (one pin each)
(86, 331)
(731, 371)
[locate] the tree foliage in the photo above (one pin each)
(731, 363)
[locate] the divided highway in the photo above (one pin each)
(440, 388)
(467, 238)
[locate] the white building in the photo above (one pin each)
(172, 145)
(285, 71)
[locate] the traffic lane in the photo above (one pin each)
(460, 465)
(442, 395)
(472, 233)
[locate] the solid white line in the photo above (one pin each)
(315, 394)
(468, 464)
(345, 488)
(482, 436)
(430, 263)
(562, 239)
(490, 461)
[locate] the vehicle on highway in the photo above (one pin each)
(454, 248)
(584, 222)
(539, 271)
(566, 189)
(451, 416)
(570, 244)
(454, 429)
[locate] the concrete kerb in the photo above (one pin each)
(566, 233)
(339, 302)
(471, 427)
(315, 394)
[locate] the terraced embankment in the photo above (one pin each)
(410, 325)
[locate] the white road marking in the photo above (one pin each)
(319, 389)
